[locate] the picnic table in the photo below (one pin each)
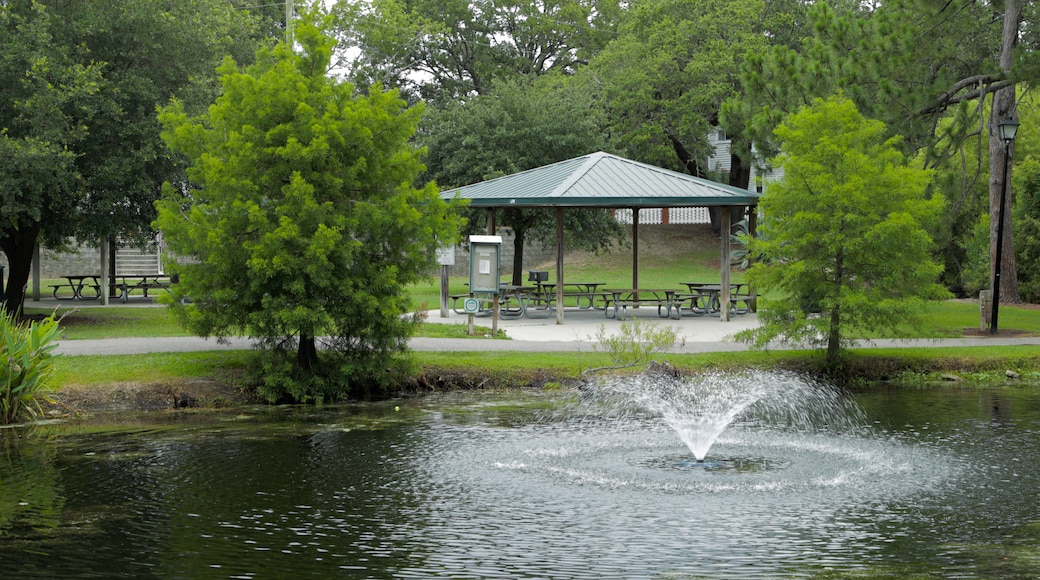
(78, 284)
(127, 284)
(584, 292)
(512, 301)
(619, 299)
(706, 297)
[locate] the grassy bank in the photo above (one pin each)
(976, 366)
(669, 256)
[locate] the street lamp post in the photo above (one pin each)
(1008, 128)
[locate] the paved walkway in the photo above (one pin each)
(578, 333)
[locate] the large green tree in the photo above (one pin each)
(443, 50)
(662, 81)
(44, 94)
(843, 233)
(519, 126)
(81, 81)
(302, 219)
(664, 77)
(941, 73)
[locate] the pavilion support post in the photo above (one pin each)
(491, 221)
(752, 221)
(635, 248)
(106, 278)
(559, 265)
(724, 231)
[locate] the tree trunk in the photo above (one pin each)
(689, 164)
(834, 338)
(739, 172)
(307, 353)
(1003, 107)
(18, 246)
(518, 256)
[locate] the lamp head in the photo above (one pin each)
(1008, 129)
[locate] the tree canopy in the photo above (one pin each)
(520, 125)
(663, 79)
(81, 83)
(301, 219)
(937, 72)
(442, 50)
(844, 233)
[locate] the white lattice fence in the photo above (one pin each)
(672, 215)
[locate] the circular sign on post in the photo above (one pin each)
(471, 305)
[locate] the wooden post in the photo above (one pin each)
(724, 230)
(494, 316)
(559, 265)
(444, 291)
(752, 227)
(635, 248)
(985, 308)
(105, 280)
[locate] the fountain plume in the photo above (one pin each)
(699, 408)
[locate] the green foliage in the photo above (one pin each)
(977, 275)
(150, 51)
(446, 50)
(519, 126)
(665, 76)
(280, 379)
(45, 94)
(637, 343)
(25, 365)
(301, 217)
(843, 232)
(1026, 191)
(79, 139)
(924, 67)
(902, 62)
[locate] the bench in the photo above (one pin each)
(617, 302)
(748, 301)
(542, 302)
(692, 304)
(144, 284)
(77, 285)
(485, 303)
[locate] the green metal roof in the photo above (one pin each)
(601, 180)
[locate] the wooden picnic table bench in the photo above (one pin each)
(741, 301)
(584, 293)
(127, 284)
(618, 300)
(512, 301)
(78, 284)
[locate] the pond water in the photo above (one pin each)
(522, 484)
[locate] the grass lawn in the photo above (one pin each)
(144, 322)
(669, 255)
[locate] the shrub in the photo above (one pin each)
(334, 377)
(25, 365)
(636, 344)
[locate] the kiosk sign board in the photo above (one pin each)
(446, 256)
(485, 253)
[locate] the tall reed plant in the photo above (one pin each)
(25, 365)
